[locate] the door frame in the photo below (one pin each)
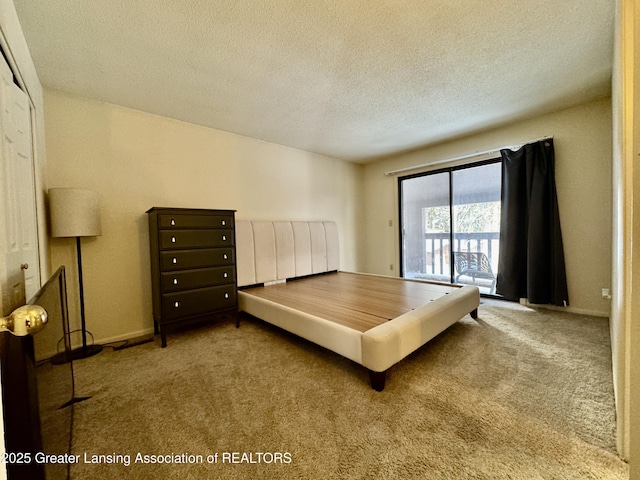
(16, 52)
(18, 190)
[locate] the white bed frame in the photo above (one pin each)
(271, 252)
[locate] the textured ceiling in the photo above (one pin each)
(353, 79)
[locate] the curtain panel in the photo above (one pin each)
(531, 261)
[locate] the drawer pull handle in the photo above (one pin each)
(174, 260)
(175, 281)
(226, 295)
(173, 222)
(224, 222)
(176, 304)
(224, 238)
(173, 239)
(225, 256)
(225, 275)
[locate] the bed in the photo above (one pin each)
(289, 276)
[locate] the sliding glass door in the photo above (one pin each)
(426, 227)
(450, 225)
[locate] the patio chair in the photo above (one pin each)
(475, 265)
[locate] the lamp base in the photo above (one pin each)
(76, 354)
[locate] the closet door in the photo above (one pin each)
(19, 262)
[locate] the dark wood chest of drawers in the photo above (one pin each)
(193, 271)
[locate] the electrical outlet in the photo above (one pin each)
(606, 293)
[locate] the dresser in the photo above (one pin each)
(193, 272)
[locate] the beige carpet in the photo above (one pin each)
(520, 394)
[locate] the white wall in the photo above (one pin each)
(625, 326)
(582, 139)
(137, 160)
(632, 96)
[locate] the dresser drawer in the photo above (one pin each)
(198, 302)
(194, 221)
(195, 238)
(186, 259)
(203, 277)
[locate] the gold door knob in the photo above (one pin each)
(26, 320)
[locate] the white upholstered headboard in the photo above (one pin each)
(271, 251)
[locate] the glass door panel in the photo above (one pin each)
(426, 227)
(476, 225)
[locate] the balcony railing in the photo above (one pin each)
(435, 262)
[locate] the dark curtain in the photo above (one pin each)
(531, 263)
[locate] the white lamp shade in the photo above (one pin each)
(74, 212)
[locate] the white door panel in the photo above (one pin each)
(19, 267)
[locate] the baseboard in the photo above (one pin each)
(570, 309)
(131, 336)
(128, 340)
(126, 336)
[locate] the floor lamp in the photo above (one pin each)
(76, 213)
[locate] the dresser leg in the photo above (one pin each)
(163, 337)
